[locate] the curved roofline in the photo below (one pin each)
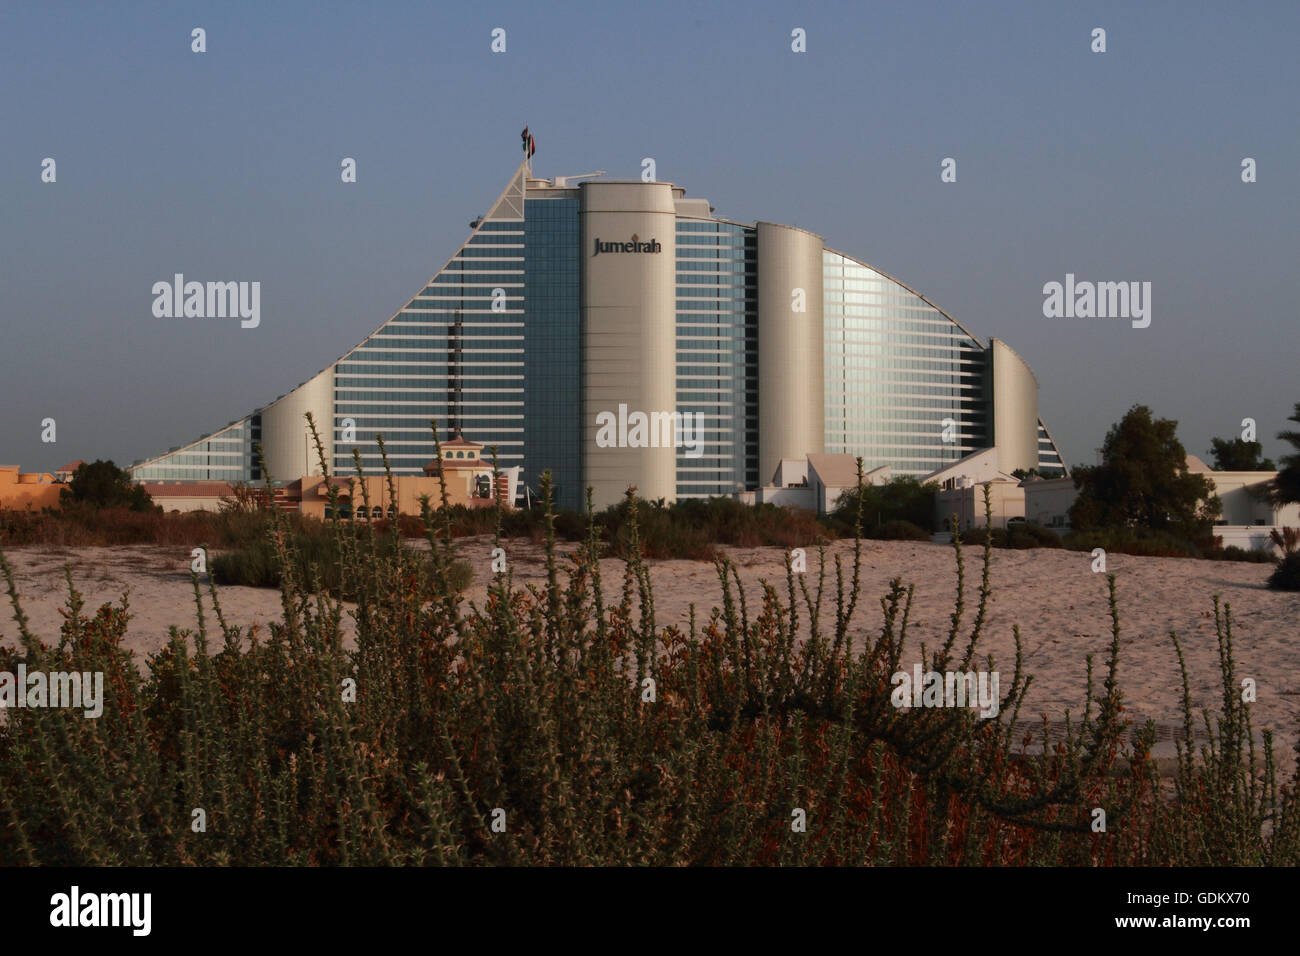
(868, 265)
(898, 281)
(619, 182)
(525, 169)
(1020, 358)
(198, 441)
(522, 166)
(781, 225)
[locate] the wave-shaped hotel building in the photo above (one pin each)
(578, 299)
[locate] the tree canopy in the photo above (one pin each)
(101, 484)
(1286, 486)
(903, 498)
(1143, 481)
(1237, 454)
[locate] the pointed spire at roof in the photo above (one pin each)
(510, 204)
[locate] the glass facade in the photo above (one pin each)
(226, 455)
(553, 350)
(1050, 462)
(897, 370)
(717, 354)
(491, 348)
(455, 353)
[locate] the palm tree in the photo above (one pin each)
(1288, 539)
(1286, 486)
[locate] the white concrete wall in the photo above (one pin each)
(629, 332)
(790, 471)
(1249, 537)
(981, 466)
(1047, 502)
(1238, 491)
(286, 442)
(789, 497)
(1007, 499)
(189, 503)
(829, 496)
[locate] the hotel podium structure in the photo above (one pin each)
(577, 302)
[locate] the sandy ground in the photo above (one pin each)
(1059, 603)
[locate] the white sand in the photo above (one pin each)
(1059, 603)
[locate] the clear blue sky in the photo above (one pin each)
(225, 165)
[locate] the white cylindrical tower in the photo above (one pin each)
(791, 399)
(629, 339)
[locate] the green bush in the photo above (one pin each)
(1234, 553)
(101, 484)
(75, 525)
(898, 531)
(693, 527)
(1018, 536)
(315, 555)
(1286, 576)
(1143, 542)
(1025, 534)
(900, 499)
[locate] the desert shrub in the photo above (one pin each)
(1149, 543)
(570, 526)
(899, 499)
(318, 556)
(459, 574)
(1234, 553)
(1143, 542)
(81, 526)
(658, 536)
(1019, 536)
(1040, 536)
(245, 498)
(977, 536)
(898, 531)
(692, 527)
(689, 528)
(1287, 539)
(1286, 576)
(535, 703)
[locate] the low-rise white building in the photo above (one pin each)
(814, 483)
(1248, 516)
(961, 492)
(1048, 501)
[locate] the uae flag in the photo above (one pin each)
(530, 146)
